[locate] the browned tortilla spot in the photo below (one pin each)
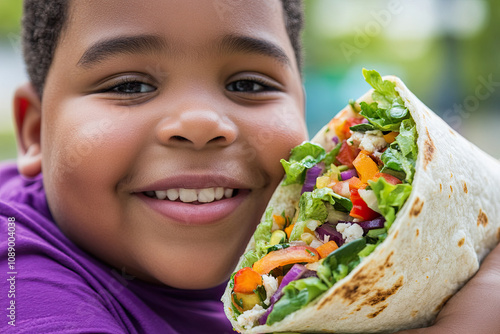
(482, 219)
(461, 242)
(414, 313)
(465, 187)
(428, 150)
(377, 312)
(418, 232)
(451, 188)
(396, 234)
(440, 187)
(452, 132)
(451, 175)
(416, 208)
(380, 295)
(440, 306)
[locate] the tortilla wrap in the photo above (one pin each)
(448, 224)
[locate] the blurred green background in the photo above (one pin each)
(446, 51)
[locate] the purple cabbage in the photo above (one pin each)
(311, 176)
(296, 272)
(367, 225)
(346, 175)
(331, 230)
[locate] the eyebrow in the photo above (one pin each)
(121, 45)
(250, 45)
(137, 44)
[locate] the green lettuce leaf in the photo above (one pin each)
(302, 157)
(312, 206)
(296, 295)
(390, 198)
(262, 234)
(388, 110)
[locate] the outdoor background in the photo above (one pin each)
(446, 51)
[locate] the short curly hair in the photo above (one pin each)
(43, 22)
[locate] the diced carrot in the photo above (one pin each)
(390, 137)
(288, 230)
(282, 257)
(279, 220)
(325, 249)
(355, 183)
(246, 280)
(389, 178)
(365, 166)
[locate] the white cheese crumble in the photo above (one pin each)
(350, 232)
(370, 141)
(271, 285)
(248, 318)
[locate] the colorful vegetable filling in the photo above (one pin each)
(352, 190)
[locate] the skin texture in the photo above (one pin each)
(98, 149)
(187, 127)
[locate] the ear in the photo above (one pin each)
(27, 117)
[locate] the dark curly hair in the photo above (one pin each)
(43, 22)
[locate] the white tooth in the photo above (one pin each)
(219, 193)
(188, 195)
(161, 194)
(206, 195)
(172, 194)
(228, 193)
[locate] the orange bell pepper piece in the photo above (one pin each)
(325, 249)
(390, 137)
(288, 230)
(280, 220)
(282, 257)
(355, 183)
(246, 280)
(365, 166)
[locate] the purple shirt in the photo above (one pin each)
(49, 285)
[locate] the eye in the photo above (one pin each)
(249, 86)
(131, 87)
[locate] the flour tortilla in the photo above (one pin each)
(448, 224)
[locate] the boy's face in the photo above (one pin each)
(145, 97)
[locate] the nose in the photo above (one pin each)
(197, 129)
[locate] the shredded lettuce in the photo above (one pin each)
(312, 206)
(296, 295)
(390, 198)
(302, 157)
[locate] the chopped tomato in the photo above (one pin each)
(347, 154)
(246, 280)
(389, 178)
(282, 257)
(365, 166)
(341, 188)
(348, 123)
(359, 208)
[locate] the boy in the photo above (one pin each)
(158, 126)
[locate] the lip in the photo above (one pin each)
(195, 213)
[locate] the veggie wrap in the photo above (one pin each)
(379, 220)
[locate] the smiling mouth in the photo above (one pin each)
(195, 196)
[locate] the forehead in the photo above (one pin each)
(188, 25)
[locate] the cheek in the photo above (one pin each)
(275, 136)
